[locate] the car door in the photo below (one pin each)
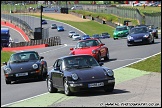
(57, 74)
(102, 48)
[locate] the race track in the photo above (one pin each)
(120, 55)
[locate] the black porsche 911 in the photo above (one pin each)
(25, 65)
(140, 35)
(76, 73)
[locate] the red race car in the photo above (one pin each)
(93, 47)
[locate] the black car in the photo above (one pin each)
(44, 22)
(139, 35)
(95, 36)
(25, 65)
(76, 73)
(53, 26)
(104, 35)
(153, 30)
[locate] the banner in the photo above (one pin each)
(51, 10)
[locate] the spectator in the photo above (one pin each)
(144, 6)
(133, 4)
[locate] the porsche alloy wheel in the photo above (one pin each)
(50, 87)
(66, 88)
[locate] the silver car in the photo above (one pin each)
(71, 33)
(76, 37)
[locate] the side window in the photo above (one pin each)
(57, 64)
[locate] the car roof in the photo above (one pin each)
(88, 39)
(24, 52)
(63, 57)
(75, 34)
(120, 26)
(139, 27)
(71, 31)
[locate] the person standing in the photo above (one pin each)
(144, 6)
(133, 4)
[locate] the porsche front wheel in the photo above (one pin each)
(66, 88)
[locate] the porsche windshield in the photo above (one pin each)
(80, 62)
(121, 29)
(87, 43)
(138, 30)
(23, 57)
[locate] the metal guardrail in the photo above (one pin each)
(20, 23)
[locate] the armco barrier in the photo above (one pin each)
(8, 24)
(24, 48)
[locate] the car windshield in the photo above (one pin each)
(87, 43)
(121, 29)
(80, 62)
(138, 30)
(105, 33)
(24, 57)
(53, 24)
(76, 35)
(71, 32)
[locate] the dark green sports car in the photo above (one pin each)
(120, 31)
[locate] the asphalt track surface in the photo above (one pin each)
(15, 35)
(120, 55)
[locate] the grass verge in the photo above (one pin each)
(89, 27)
(5, 55)
(152, 64)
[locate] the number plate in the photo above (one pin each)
(21, 74)
(138, 40)
(96, 84)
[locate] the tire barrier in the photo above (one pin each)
(52, 41)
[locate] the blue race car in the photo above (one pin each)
(60, 28)
(139, 35)
(84, 37)
(44, 22)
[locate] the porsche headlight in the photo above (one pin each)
(94, 51)
(35, 66)
(110, 72)
(129, 37)
(146, 36)
(7, 70)
(74, 76)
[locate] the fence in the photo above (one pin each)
(52, 41)
(153, 19)
(132, 13)
(20, 23)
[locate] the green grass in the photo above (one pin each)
(107, 17)
(89, 27)
(152, 64)
(5, 55)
